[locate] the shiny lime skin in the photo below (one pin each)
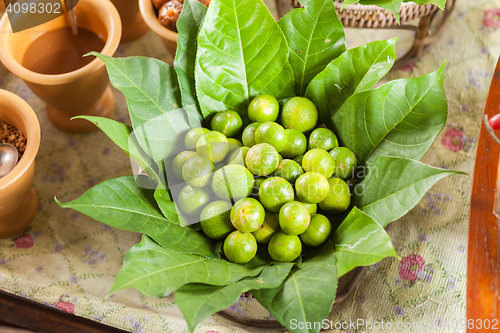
(296, 143)
(268, 229)
(274, 192)
(247, 215)
(215, 219)
(294, 218)
(191, 200)
(228, 123)
(323, 138)
(288, 169)
(263, 108)
(299, 113)
(232, 182)
(312, 208)
(262, 159)
(248, 136)
(197, 171)
(338, 198)
(256, 186)
(193, 135)
(318, 231)
(284, 247)
(271, 133)
(345, 162)
(318, 160)
(240, 247)
(179, 160)
(238, 156)
(312, 187)
(213, 145)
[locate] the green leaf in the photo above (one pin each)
(360, 241)
(198, 301)
(122, 204)
(315, 36)
(157, 271)
(188, 25)
(152, 92)
(440, 3)
(307, 294)
(356, 70)
(391, 5)
(395, 185)
(123, 136)
(241, 53)
(400, 118)
(166, 205)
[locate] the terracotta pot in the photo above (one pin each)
(133, 26)
(168, 37)
(18, 199)
(85, 91)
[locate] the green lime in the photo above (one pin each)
(238, 156)
(274, 192)
(271, 133)
(299, 113)
(248, 136)
(268, 229)
(338, 198)
(227, 122)
(197, 171)
(284, 247)
(323, 138)
(192, 199)
(288, 169)
(179, 160)
(213, 145)
(280, 158)
(240, 247)
(262, 159)
(296, 143)
(247, 215)
(299, 159)
(312, 208)
(312, 187)
(234, 144)
(193, 135)
(263, 108)
(318, 231)
(215, 219)
(256, 186)
(318, 160)
(294, 218)
(232, 182)
(345, 162)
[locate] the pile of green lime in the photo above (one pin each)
(275, 182)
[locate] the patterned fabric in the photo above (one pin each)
(69, 261)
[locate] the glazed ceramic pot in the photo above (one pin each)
(168, 37)
(133, 26)
(85, 91)
(18, 199)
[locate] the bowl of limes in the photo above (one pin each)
(268, 161)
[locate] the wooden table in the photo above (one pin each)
(483, 267)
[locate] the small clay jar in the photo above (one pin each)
(85, 91)
(169, 37)
(18, 199)
(133, 26)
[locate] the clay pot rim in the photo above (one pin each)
(112, 21)
(32, 134)
(148, 14)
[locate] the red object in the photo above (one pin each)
(410, 266)
(24, 242)
(495, 121)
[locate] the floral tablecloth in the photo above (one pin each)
(69, 261)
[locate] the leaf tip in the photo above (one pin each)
(59, 202)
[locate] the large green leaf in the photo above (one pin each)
(360, 241)
(400, 118)
(166, 205)
(157, 271)
(394, 185)
(198, 301)
(315, 37)
(122, 204)
(188, 25)
(241, 53)
(356, 70)
(152, 92)
(307, 294)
